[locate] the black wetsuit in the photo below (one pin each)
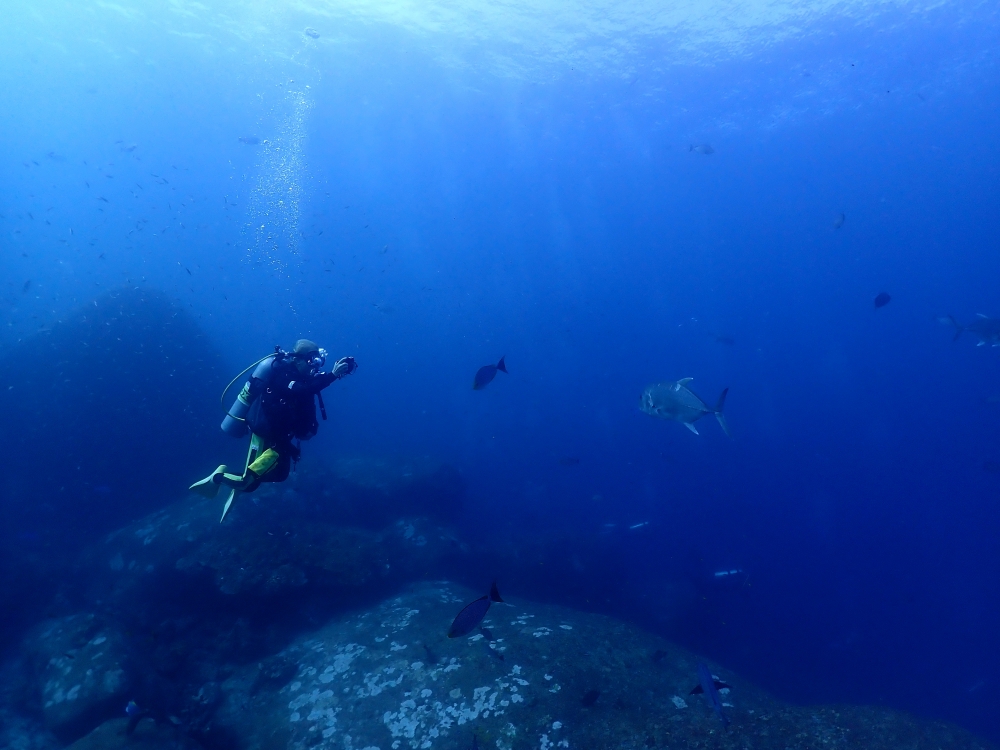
(283, 409)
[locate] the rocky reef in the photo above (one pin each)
(304, 622)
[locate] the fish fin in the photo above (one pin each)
(691, 427)
(950, 320)
(690, 147)
(501, 366)
(684, 381)
(697, 690)
(719, 685)
(495, 593)
(718, 412)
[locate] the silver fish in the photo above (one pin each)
(986, 329)
(674, 400)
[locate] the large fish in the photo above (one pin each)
(674, 400)
(710, 686)
(473, 613)
(486, 373)
(986, 329)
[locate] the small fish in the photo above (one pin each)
(674, 400)
(882, 299)
(839, 220)
(473, 613)
(635, 526)
(723, 338)
(26, 287)
(590, 698)
(486, 373)
(710, 686)
(986, 329)
(569, 461)
(135, 715)
(102, 198)
(128, 149)
(250, 140)
(311, 33)
(701, 148)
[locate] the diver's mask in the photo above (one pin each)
(315, 360)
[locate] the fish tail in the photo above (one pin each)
(501, 366)
(495, 593)
(958, 328)
(718, 412)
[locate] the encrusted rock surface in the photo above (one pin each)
(80, 667)
(389, 679)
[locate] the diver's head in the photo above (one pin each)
(308, 356)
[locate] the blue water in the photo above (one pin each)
(438, 185)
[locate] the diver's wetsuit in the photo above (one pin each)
(282, 409)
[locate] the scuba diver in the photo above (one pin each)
(277, 406)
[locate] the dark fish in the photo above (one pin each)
(135, 715)
(311, 33)
(590, 698)
(838, 222)
(250, 140)
(569, 461)
(487, 633)
(486, 374)
(470, 617)
(710, 686)
(701, 148)
(26, 287)
(882, 299)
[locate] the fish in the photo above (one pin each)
(723, 338)
(473, 613)
(486, 373)
(250, 140)
(710, 686)
(701, 148)
(674, 400)
(26, 287)
(590, 698)
(135, 715)
(986, 329)
(311, 33)
(839, 220)
(882, 299)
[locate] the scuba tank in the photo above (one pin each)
(235, 424)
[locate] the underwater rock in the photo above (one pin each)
(372, 491)
(148, 735)
(79, 664)
(130, 364)
(390, 678)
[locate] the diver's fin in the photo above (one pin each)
(232, 496)
(495, 593)
(691, 427)
(208, 487)
(501, 366)
(718, 412)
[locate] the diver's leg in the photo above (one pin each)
(245, 483)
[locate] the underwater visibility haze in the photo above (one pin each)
(549, 236)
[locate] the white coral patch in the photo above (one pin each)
(679, 702)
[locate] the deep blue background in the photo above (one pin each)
(445, 215)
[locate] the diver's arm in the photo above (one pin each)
(320, 380)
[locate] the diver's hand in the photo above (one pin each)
(344, 366)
